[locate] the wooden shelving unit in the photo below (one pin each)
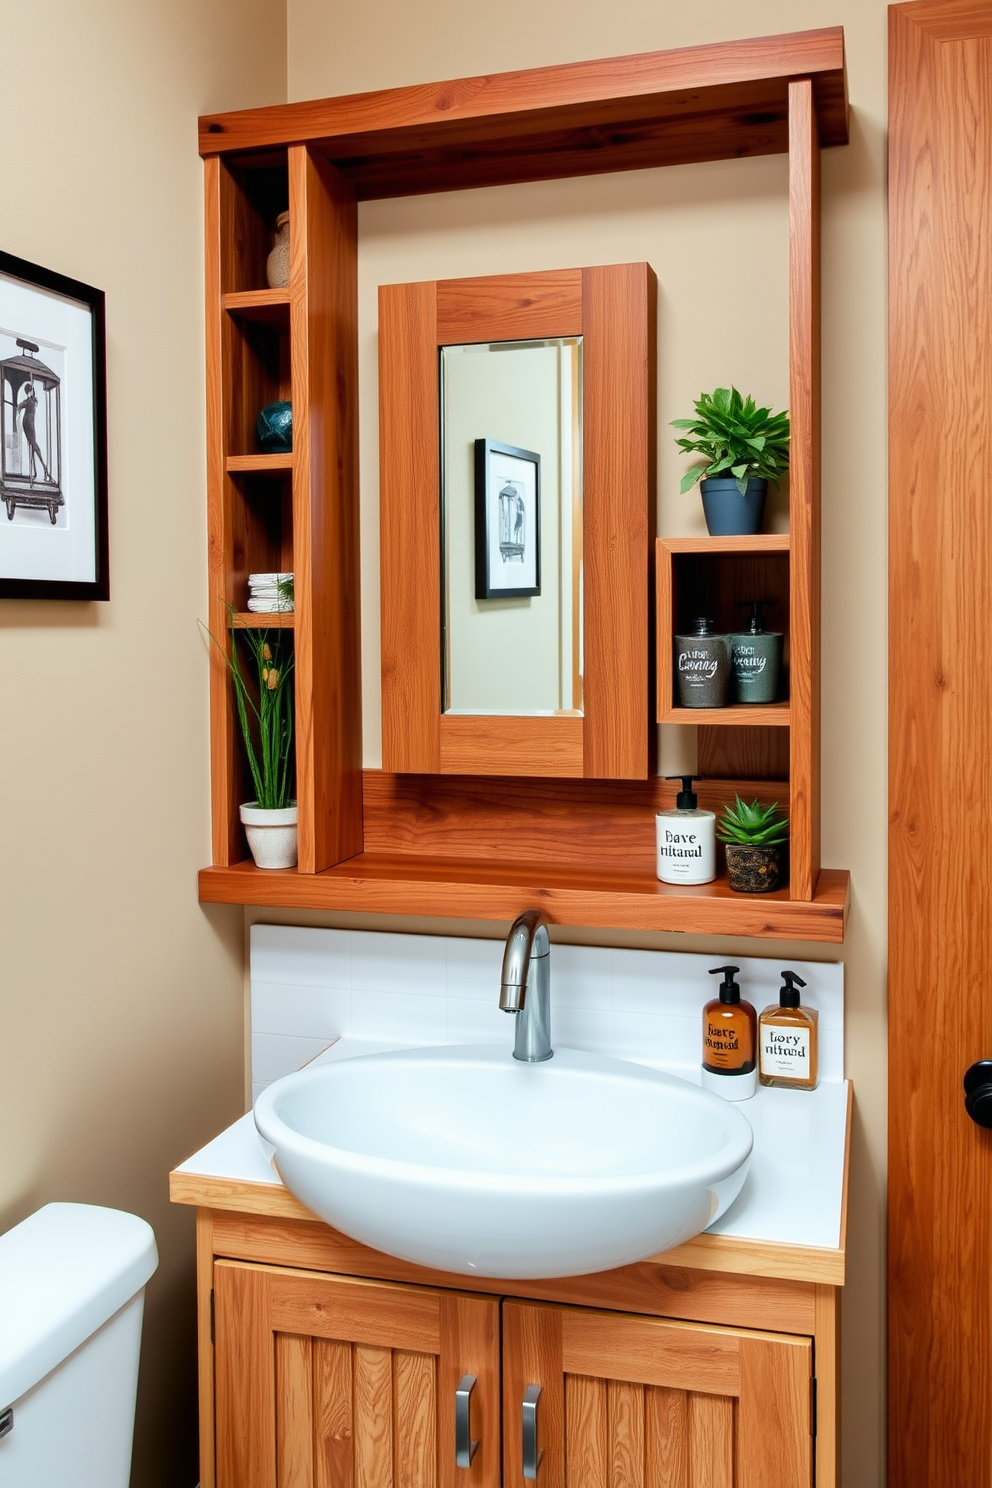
(783, 94)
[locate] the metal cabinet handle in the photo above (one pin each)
(532, 1454)
(465, 1447)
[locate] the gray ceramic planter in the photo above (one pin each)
(753, 870)
(727, 512)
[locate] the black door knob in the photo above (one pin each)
(978, 1092)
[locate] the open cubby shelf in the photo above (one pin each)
(359, 847)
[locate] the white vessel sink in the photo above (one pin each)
(464, 1159)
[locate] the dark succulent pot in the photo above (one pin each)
(751, 869)
(274, 428)
(727, 512)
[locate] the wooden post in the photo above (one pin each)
(804, 487)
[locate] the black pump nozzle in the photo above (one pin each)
(729, 990)
(788, 993)
(755, 606)
(686, 800)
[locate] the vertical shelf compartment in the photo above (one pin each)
(774, 742)
(293, 512)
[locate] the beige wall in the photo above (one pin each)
(716, 237)
(121, 1012)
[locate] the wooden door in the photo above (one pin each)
(940, 760)
(332, 1382)
(636, 1402)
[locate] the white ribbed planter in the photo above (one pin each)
(271, 835)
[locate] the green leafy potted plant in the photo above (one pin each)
(270, 820)
(754, 837)
(743, 447)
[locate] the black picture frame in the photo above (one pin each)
(498, 467)
(34, 409)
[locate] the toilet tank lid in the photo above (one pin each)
(63, 1272)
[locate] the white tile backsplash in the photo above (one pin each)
(310, 986)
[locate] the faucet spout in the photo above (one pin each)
(525, 986)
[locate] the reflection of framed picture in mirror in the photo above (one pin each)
(507, 521)
(53, 436)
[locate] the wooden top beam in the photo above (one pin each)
(653, 108)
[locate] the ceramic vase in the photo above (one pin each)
(727, 512)
(752, 869)
(277, 263)
(271, 835)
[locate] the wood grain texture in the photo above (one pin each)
(619, 327)
(409, 524)
(408, 885)
(940, 671)
(244, 1379)
(604, 824)
(711, 1442)
(666, 1427)
(826, 1367)
(625, 1412)
(226, 837)
(415, 1409)
(381, 1315)
(774, 1419)
(510, 307)
(732, 1282)
(532, 1356)
(587, 1444)
(333, 1414)
(373, 1417)
(269, 306)
(294, 1411)
(205, 1344)
(470, 1344)
(804, 490)
(262, 464)
(513, 746)
(679, 1355)
(324, 320)
(731, 98)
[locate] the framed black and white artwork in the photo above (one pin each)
(507, 521)
(53, 435)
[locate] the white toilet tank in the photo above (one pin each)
(72, 1280)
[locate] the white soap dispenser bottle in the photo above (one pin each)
(685, 839)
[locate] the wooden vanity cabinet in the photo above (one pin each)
(325, 1364)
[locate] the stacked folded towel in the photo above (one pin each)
(270, 592)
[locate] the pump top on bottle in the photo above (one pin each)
(729, 1037)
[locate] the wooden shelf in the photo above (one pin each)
(378, 883)
(266, 306)
(259, 464)
(270, 620)
(735, 715)
(759, 542)
(715, 102)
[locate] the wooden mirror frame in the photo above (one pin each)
(613, 308)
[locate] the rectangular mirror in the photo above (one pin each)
(516, 498)
(511, 512)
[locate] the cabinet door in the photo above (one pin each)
(332, 1382)
(636, 1402)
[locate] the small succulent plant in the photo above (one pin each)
(753, 825)
(735, 437)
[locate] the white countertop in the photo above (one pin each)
(793, 1193)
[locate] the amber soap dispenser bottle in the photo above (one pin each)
(729, 1040)
(787, 1039)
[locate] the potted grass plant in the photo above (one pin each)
(754, 837)
(742, 447)
(264, 702)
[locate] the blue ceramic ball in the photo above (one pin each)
(274, 428)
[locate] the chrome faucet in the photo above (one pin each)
(525, 986)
